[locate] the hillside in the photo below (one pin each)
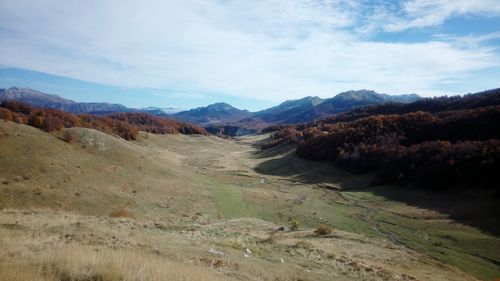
(225, 120)
(445, 142)
(157, 125)
(181, 207)
(219, 118)
(125, 125)
(32, 97)
(291, 111)
(312, 108)
(212, 114)
(44, 100)
(350, 100)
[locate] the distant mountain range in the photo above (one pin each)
(291, 111)
(43, 100)
(213, 114)
(222, 118)
(161, 110)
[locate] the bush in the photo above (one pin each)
(6, 114)
(121, 214)
(67, 137)
(294, 224)
(323, 230)
(304, 244)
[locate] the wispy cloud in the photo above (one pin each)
(469, 41)
(271, 50)
(424, 13)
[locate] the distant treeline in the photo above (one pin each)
(158, 125)
(125, 125)
(437, 143)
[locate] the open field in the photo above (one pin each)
(176, 207)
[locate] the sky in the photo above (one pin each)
(252, 54)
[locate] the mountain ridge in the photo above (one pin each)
(45, 100)
(311, 108)
(221, 116)
(220, 112)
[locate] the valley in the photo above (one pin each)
(250, 140)
(193, 207)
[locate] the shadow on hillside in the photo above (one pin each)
(284, 162)
(475, 208)
(279, 150)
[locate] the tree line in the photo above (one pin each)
(436, 143)
(125, 125)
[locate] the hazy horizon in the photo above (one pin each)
(83, 91)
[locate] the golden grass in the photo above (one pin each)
(13, 272)
(82, 263)
(47, 246)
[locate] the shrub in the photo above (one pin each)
(6, 114)
(67, 137)
(294, 224)
(304, 244)
(323, 230)
(121, 214)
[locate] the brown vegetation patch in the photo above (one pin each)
(323, 230)
(121, 214)
(436, 143)
(125, 125)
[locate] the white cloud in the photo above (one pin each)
(270, 50)
(423, 13)
(468, 41)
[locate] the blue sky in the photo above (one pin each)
(252, 54)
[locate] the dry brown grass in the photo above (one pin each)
(13, 272)
(82, 263)
(67, 137)
(47, 246)
(74, 237)
(304, 244)
(121, 214)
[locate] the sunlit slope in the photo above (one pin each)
(94, 173)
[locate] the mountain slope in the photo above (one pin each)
(312, 108)
(438, 143)
(32, 97)
(291, 111)
(347, 101)
(125, 125)
(44, 100)
(214, 113)
(220, 115)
